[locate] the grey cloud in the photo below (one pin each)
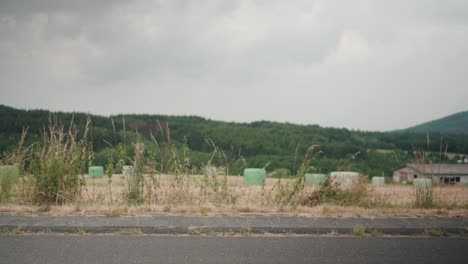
(359, 64)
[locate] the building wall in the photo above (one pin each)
(406, 172)
(463, 178)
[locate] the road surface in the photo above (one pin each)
(71, 249)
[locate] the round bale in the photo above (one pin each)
(344, 179)
(314, 179)
(254, 176)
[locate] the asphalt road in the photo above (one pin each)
(186, 249)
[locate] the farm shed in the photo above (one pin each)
(440, 173)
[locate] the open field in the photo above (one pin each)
(50, 179)
(203, 195)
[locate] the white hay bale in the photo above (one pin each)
(378, 181)
(345, 179)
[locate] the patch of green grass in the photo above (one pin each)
(434, 232)
(195, 232)
(18, 230)
(129, 232)
(359, 230)
(204, 211)
(80, 231)
(375, 232)
(246, 232)
(4, 231)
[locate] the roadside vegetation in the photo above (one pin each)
(159, 176)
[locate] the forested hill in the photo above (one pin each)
(258, 142)
(456, 123)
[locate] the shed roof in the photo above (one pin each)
(439, 168)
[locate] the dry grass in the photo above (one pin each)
(445, 196)
(186, 198)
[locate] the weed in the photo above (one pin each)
(134, 193)
(80, 231)
(287, 194)
(4, 231)
(246, 232)
(358, 195)
(375, 232)
(8, 177)
(229, 233)
(129, 232)
(212, 233)
(204, 211)
(359, 230)
(195, 232)
(17, 230)
(434, 232)
(424, 197)
(9, 174)
(110, 172)
(113, 213)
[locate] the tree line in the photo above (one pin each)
(256, 144)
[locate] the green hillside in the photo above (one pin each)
(247, 144)
(453, 124)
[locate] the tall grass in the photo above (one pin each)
(15, 162)
(290, 194)
(58, 162)
(424, 196)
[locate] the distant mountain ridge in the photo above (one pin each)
(452, 124)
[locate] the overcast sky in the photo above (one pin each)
(371, 65)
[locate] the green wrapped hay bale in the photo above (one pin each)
(95, 171)
(127, 170)
(314, 179)
(422, 183)
(9, 173)
(378, 181)
(254, 176)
